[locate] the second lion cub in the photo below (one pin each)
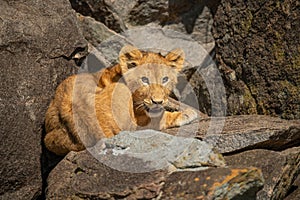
(128, 96)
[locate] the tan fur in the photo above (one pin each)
(128, 96)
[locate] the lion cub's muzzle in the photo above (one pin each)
(156, 100)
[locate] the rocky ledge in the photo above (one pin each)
(260, 160)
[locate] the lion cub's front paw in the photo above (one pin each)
(187, 116)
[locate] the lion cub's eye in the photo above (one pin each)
(145, 80)
(165, 79)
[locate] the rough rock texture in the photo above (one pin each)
(38, 41)
(257, 47)
(294, 192)
(81, 176)
(280, 169)
(214, 183)
(149, 150)
(95, 32)
(244, 132)
(191, 17)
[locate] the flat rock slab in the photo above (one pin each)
(149, 150)
(236, 133)
(280, 169)
(81, 176)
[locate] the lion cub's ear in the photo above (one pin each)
(176, 57)
(129, 57)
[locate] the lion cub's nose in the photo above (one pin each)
(157, 101)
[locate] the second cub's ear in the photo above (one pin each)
(176, 57)
(129, 57)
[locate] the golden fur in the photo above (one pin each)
(128, 96)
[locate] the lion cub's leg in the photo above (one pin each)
(59, 142)
(179, 118)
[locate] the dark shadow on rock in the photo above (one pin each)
(48, 162)
(189, 11)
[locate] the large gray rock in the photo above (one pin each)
(38, 41)
(257, 48)
(154, 150)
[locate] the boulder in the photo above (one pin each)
(149, 150)
(191, 17)
(257, 50)
(149, 164)
(38, 43)
(244, 132)
(279, 169)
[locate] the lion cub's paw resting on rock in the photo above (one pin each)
(131, 95)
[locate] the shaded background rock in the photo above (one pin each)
(38, 41)
(192, 17)
(257, 48)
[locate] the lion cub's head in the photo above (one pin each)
(150, 76)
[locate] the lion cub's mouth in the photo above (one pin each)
(155, 111)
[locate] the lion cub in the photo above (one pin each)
(128, 96)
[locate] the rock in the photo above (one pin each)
(279, 169)
(239, 133)
(257, 49)
(294, 192)
(38, 43)
(149, 150)
(101, 11)
(214, 183)
(194, 18)
(193, 174)
(94, 32)
(81, 176)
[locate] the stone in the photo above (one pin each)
(81, 176)
(153, 150)
(245, 132)
(193, 18)
(38, 45)
(214, 183)
(253, 169)
(100, 11)
(257, 50)
(93, 31)
(294, 192)
(279, 169)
